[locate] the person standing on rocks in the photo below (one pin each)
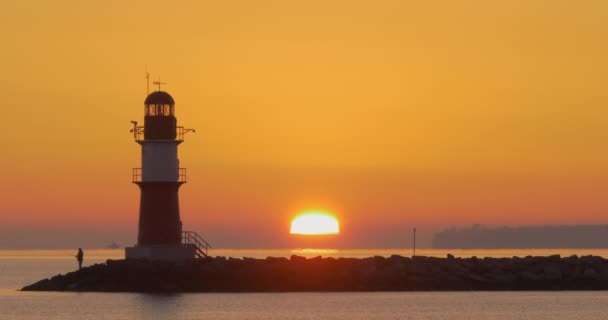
(80, 257)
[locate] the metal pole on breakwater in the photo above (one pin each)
(414, 253)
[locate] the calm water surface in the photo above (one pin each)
(18, 268)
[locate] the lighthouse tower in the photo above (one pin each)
(160, 235)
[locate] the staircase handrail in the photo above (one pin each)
(193, 238)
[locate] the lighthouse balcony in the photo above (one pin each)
(139, 177)
(138, 133)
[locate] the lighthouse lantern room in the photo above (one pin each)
(160, 235)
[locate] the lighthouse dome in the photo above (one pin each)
(159, 98)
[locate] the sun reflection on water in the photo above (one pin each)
(315, 252)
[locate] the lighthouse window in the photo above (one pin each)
(151, 110)
(159, 110)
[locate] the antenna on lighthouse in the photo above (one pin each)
(158, 83)
(147, 81)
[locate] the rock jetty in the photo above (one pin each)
(395, 273)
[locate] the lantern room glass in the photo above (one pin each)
(160, 110)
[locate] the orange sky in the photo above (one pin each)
(389, 113)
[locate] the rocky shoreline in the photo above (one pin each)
(396, 273)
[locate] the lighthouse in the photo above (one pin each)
(160, 235)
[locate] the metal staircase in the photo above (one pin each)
(193, 239)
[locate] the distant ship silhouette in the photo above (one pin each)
(113, 245)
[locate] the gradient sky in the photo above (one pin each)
(388, 113)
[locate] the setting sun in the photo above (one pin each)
(311, 223)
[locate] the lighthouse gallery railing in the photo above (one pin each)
(138, 133)
(181, 175)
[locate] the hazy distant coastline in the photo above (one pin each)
(480, 237)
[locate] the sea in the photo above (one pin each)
(22, 267)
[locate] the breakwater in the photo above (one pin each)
(395, 273)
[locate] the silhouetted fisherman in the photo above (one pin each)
(80, 257)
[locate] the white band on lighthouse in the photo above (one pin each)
(159, 161)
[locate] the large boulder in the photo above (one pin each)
(552, 272)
